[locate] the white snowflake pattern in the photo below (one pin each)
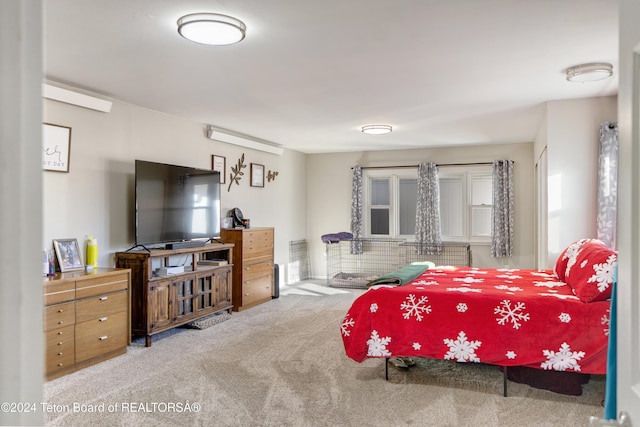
(473, 271)
(511, 354)
(346, 324)
(511, 314)
(424, 282)
(565, 317)
(508, 288)
(562, 360)
(607, 322)
(603, 275)
(416, 346)
(463, 290)
(378, 346)
(461, 349)
(583, 263)
(373, 307)
(508, 276)
(549, 284)
(468, 280)
(560, 296)
(542, 274)
(572, 254)
(415, 308)
(462, 307)
(508, 270)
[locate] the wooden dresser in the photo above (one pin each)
(86, 319)
(252, 265)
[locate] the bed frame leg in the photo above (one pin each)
(386, 368)
(504, 381)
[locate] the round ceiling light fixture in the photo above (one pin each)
(376, 129)
(591, 72)
(211, 28)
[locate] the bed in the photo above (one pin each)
(549, 320)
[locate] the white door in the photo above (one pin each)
(628, 298)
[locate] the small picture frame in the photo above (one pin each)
(56, 147)
(257, 175)
(219, 164)
(68, 254)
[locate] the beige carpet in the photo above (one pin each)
(282, 364)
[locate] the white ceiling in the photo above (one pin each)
(310, 73)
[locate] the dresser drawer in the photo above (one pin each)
(60, 350)
(59, 291)
(99, 336)
(101, 305)
(253, 271)
(257, 289)
(101, 285)
(59, 315)
(257, 244)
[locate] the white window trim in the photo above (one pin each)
(468, 172)
(394, 175)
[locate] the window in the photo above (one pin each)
(390, 197)
(466, 203)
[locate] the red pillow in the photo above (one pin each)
(591, 277)
(568, 258)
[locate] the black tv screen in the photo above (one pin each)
(175, 203)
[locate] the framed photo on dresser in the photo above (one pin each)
(68, 254)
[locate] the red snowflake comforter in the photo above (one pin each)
(495, 316)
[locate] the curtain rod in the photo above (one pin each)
(416, 166)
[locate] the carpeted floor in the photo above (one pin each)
(282, 364)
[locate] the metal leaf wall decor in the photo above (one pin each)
(236, 172)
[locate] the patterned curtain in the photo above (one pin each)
(428, 237)
(356, 211)
(608, 183)
(502, 220)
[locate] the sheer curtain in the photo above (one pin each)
(428, 237)
(356, 211)
(502, 221)
(608, 183)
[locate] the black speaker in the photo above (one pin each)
(276, 281)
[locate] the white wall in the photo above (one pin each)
(329, 195)
(571, 132)
(97, 195)
(22, 349)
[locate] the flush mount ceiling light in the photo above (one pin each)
(211, 28)
(376, 129)
(591, 72)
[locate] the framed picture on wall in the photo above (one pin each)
(68, 254)
(219, 164)
(56, 147)
(257, 175)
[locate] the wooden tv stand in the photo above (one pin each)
(162, 302)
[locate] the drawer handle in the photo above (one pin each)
(102, 338)
(59, 343)
(102, 319)
(60, 310)
(59, 364)
(60, 322)
(104, 298)
(60, 354)
(247, 268)
(60, 333)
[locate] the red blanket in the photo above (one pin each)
(495, 316)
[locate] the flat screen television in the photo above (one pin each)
(175, 203)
